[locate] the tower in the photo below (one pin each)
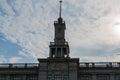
(58, 66)
(59, 48)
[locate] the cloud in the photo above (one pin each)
(29, 23)
(95, 24)
(27, 32)
(14, 59)
(2, 59)
(113, 58)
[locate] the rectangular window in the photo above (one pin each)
(85, 77)
(32, 77)
(2, 77)
(65, 77)
(104, 77)
(58, 52)
(117, 77)
(16, 77)
(50, 77)
(58, 77)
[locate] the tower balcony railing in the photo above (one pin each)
(58, 43)
(19, 65)
(58, 22)
(99, 64)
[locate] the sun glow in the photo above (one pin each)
(117, 26)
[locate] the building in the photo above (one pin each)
(59, 66)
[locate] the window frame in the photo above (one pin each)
(2, 77)
(16, 77)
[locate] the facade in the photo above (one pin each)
(59, 66)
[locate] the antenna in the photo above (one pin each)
(60, 8)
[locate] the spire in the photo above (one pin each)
(60, 19)
(60, 8)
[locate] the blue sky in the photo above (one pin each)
(26, 28)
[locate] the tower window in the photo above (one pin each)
(53, 50)
(64, 51)
(58, 52)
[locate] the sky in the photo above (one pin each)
(26, 29)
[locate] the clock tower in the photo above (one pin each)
(59, 48)
(58, 66)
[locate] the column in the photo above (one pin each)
(67, 52)
(62, 54)
(55, 51)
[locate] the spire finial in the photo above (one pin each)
(60, 19)
(60, 8)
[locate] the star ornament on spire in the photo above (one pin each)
(60, 1)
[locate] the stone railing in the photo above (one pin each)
(58, 22)
(58, 43)
(19, 65)
(99, 64)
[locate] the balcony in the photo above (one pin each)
(56, 22)
(58, 43)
